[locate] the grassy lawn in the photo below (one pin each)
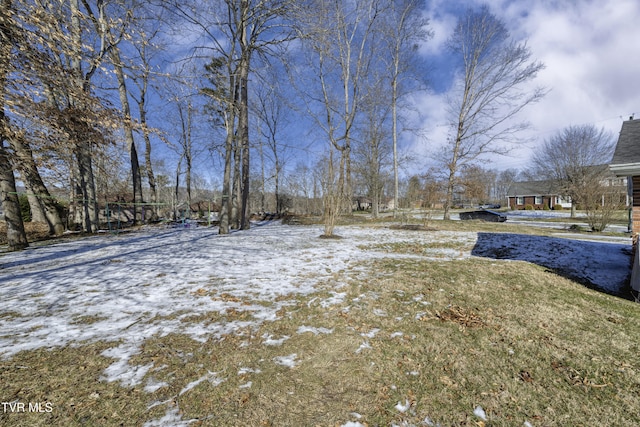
(410, 342)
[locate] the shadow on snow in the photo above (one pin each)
(601, 266)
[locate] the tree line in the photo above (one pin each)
(86, 84)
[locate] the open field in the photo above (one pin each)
(458, 324)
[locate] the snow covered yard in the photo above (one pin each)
(124, 281)
(130, 289)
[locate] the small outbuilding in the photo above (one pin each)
(626, 163)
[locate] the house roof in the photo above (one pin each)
(626, 158)
(534, 188)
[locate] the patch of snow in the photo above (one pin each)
(172, 418)
(428, 422)
(268, 340)
(314, 331)
(364, 346)
(212, 377)
(400, 407)
(154, 385)
(289, 361)
(479, 412)
(372, 333)
(120, 370)
(335, 299)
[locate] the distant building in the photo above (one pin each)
(537, 194)
(548, 194)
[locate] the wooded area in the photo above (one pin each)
(295, 105)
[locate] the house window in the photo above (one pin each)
(538, 200)
(519, 200)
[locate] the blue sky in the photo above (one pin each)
(591, 52)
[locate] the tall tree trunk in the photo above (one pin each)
(80, 133)
(243, 125)
(75, 197)
(16, 236)
(237, 185)
(87, 187)
(177, 191)
(262, 181)
(225, 203)
(40, 199)
(394, 118)
(453, 169)
(227, 219)
(348, 182)
(188, 155)
(128, 135)
(243, 119)
(37, 211)
(153, 189)
(277, 185)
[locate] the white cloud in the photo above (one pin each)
(590, 50)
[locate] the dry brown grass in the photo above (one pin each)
(440, 338)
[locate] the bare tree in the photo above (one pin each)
(222, 107)
(504, 180)
(22, 66)
(372, 154)
(601, 201)
(238, 30)
(270, 111)
(477, 183)
(405, 27)
(142, 81)
(575, 157)
(186, 114)
(128, 125)
(488, 94)
(340, 38)
(16, 236)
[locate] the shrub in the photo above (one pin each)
(528, 207)
(575, 227)
(558, 208)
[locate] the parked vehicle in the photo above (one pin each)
(484, 215)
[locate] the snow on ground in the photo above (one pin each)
(128, 285)
(126, 282)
